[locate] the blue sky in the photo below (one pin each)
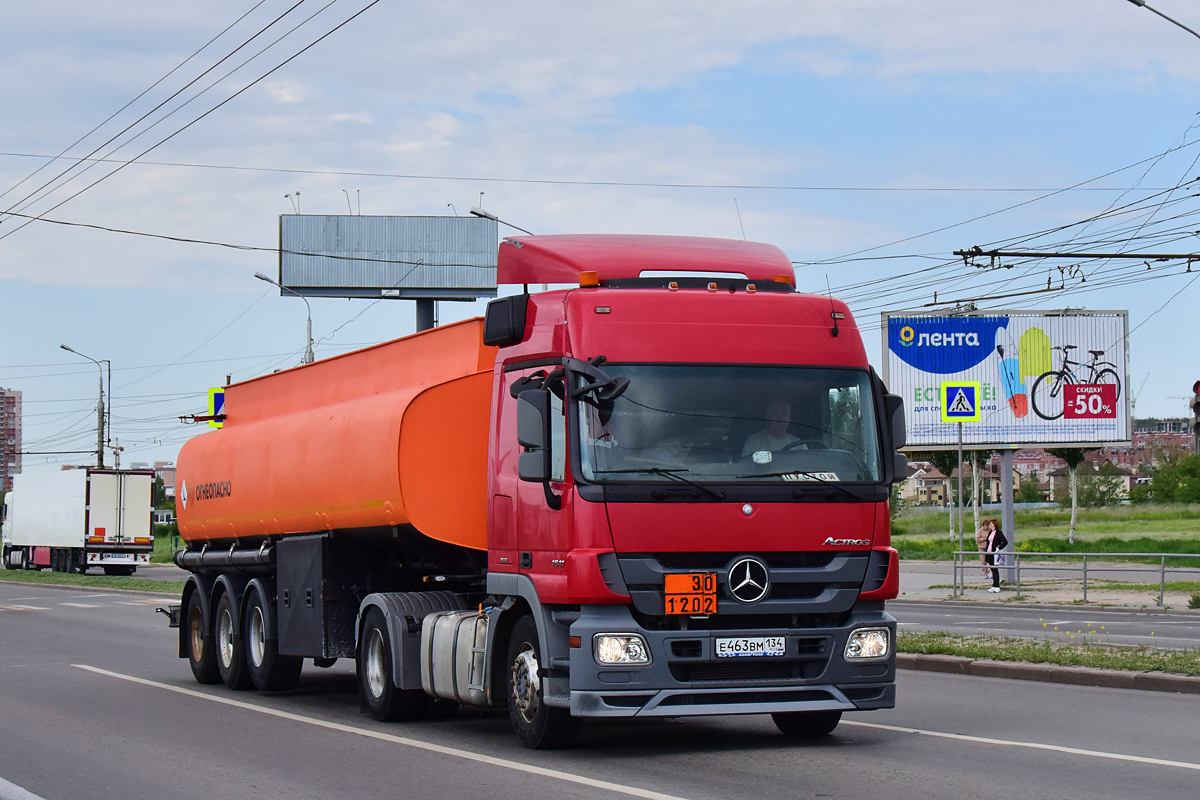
(858, 95)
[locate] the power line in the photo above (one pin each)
(582, 182)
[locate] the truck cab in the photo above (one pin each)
(689, 486)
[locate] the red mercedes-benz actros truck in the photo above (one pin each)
(661, 492)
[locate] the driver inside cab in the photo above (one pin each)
(774, 437)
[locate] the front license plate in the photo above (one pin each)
(693, 593)
(745, 646)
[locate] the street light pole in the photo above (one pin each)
(1142, 4)
(308, 347)
(101, 416)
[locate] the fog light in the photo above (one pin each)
(867, 643)
(620, 648)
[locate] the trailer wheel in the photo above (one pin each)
(269, 671)
(386, 702)
(26, 561)
(201, 657)
(806, 723)
(231, 656)
(537, 725)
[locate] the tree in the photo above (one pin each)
(1030, 491)
(160, 492)
(1074, 457)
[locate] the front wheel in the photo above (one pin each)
(806, 723)
(269, 671)
(1047, 395)
(537, 725)
(386, 701)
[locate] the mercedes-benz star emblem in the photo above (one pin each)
(748, 580)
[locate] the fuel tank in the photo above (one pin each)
(389, 435)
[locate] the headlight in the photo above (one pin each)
(620, 648)
(867, 643)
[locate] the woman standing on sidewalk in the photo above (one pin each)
(991, 540)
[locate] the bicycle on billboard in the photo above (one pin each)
(1049, 388)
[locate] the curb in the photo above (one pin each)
(1049, 673)
(1093, 607)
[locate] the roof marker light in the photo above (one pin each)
(788, 279)
(589, 279)
(750, 287)
(673, 286)
(712, 287)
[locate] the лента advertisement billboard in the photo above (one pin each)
(1045, 378)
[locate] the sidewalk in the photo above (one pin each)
(931, 581)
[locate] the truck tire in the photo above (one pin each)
(231, 656)
(806, 723)
(201, 655)
(25, 561)
(386, 702)
(269, 671)
(537, 725)
(9, 557)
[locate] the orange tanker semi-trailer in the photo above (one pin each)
(358, 474)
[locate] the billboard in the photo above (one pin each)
(434, 258)
(1045, 378)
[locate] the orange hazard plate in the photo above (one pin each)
(693, 593)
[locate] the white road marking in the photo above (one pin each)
(129, 603)
(10, 791)
(20, 607)
(1160, 762)
(80, 605)
(401, 740)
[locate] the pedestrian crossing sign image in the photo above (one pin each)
(960, 401)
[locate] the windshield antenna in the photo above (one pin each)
(833, 312)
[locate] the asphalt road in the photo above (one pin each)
(96, 704)
(1153, 629)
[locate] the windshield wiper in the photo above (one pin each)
(667, 473)
(813, 475)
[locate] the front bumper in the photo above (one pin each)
(685, 678)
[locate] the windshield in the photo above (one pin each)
(732, 424)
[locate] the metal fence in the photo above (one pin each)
(1012, 561)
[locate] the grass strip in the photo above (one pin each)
(165, 588)
(1069, 654)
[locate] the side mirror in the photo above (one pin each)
(894, 406)
(504, 320)
(533, 417)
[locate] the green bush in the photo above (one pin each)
(1194, 602)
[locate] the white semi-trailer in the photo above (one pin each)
(80, 518)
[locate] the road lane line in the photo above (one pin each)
(10, 791)
(20, 607)
(1057, 748)
(401, 740)
(81, 605)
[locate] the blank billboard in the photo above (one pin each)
(438, 258)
